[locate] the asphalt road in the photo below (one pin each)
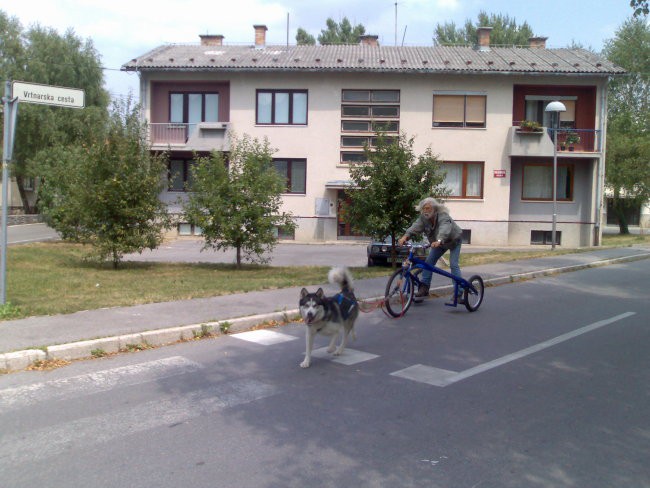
(545, 386)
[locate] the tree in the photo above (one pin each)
(627, 170)
(236, 201)
(640, 7)
(303, 38)
(106, 193)
(385, 190)
(505, 31)
(41, 55)
(336, 33)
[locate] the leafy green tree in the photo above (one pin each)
(106, 193)
(335, 33)
(505, 31)
(303, 38)
(627, 170)
(341, 33)
(235, 200)
(41, 55)
(385, 190)
(12, 49)
(640, 7)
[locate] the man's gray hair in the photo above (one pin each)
(437, 206)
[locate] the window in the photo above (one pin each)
(535, 110)
(353, 157)
(283, 234)
(190, 108)
(459, 110)
(538, 182)
(364, 113)
(545, 237)
(281, 107)
(464, 179)
(295, 171)
(185, 229)
(180, 175)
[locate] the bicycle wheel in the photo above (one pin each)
(473, 300)
(399, 293)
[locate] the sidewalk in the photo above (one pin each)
(76, 335)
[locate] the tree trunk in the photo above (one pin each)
(23, 195)
(238, 256)
(619, 210)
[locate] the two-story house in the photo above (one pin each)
(319, 105)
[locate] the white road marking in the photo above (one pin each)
(440, 377)
(26, 447)
(99, 381)
(348, 358)
(264, 337)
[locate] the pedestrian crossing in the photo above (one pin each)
(23, 443)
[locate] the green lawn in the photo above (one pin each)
(52, 278)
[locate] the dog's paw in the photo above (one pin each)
(331, 349)
(304, 364)
(338, 352)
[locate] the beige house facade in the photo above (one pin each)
(319, 105)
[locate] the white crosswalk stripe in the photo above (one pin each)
(99, 381)
(26, 447)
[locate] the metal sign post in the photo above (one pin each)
(10, 110)
(30, 93)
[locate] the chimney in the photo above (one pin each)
(483, 34)
(260, 36)
(369, 40)
(211, 40)
(537, 42)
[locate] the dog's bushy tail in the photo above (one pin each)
(341, 276)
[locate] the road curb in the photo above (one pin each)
(20, 360)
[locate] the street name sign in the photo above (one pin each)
(48, 95)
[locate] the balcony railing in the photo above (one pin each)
(197, 136)
(169, 133)
(579, 140)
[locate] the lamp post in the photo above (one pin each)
(554, 108)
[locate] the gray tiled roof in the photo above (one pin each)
(360, 58)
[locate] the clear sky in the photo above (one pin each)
(122, 30)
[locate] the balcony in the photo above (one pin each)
(202, 136)
(586, 142)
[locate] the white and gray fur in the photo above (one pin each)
(323, 315)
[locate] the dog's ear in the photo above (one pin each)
(320, 293)
(303, 293)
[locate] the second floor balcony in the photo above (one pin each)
(570, 142)
(201, 136)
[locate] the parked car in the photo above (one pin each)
(379, 252)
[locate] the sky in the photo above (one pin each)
(124, 29)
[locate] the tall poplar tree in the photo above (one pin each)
(41, 55)
(627, 170)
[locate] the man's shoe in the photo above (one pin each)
(423, 291)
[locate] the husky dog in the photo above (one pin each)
(329, 315)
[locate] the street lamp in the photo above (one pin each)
(554, 108)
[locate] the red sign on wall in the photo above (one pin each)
(499, 173)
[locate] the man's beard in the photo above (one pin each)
(427, 215)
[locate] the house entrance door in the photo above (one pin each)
(343, 228)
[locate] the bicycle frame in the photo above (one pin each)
(412, 262)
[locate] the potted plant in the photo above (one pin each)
(530, 126)
(572, 138)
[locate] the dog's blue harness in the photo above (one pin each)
(346, 304)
